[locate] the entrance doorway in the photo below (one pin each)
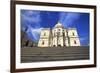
(59, 45)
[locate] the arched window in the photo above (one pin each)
(42, 42)
(73, 33)
(44, 34)
(63, 34)
(74, 41)
(58, 29)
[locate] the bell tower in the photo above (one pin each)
(73, 37)
(44, 38)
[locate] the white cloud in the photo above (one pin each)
(31, 19)
(68, 19)
(34, 32)
(37, 30)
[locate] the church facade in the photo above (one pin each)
(58, 36)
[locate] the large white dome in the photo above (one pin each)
(58, 25)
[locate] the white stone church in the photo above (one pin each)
(58, 36)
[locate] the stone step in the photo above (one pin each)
(30, 54)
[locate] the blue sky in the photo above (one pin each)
(36, 20)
